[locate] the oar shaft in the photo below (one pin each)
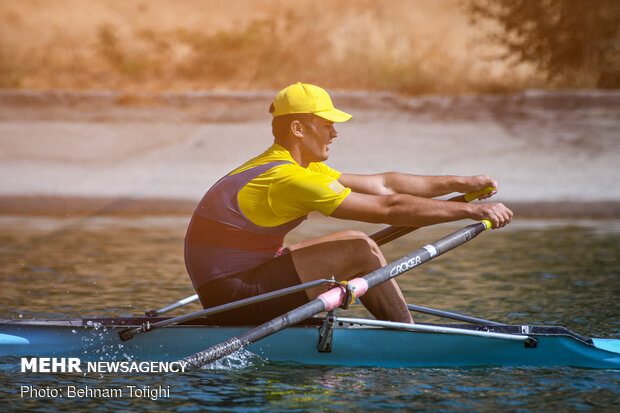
(390, 234)
(334, 297)
(273, 326)
(425, 253)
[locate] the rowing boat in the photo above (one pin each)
(328, 340)
(303, 336)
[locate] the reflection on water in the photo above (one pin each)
(559, 272)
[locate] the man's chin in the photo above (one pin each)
(322, 157)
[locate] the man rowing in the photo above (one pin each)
(234, 243)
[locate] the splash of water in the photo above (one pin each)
(239, 360)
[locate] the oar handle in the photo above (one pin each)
(470, 196)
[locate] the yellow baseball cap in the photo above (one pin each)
(305, 98)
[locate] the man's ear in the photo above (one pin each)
(297, 129)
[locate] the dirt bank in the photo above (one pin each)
(553, 153)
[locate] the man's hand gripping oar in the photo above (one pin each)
(334, 297)
(393, 232)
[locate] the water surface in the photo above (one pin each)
(548, 272)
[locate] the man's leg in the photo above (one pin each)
(346, 255)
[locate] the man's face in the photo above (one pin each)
(318, 134)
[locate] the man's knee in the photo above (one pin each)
(362, 239)
(343, 253)
(364, 249)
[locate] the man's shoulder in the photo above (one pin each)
(317, 166)
(269, 156)
(313, 169)
(287, 169)
(322, 168)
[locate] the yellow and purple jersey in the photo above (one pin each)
(242, 220)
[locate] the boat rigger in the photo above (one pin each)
(330, 340)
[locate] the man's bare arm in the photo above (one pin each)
(418, 185)
(409, 210)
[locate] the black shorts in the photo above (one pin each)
(272, 275)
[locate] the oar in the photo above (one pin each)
(380, 237)
(392, 232)
(334, 297)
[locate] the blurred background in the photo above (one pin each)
(112, 100)
(408, 46)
